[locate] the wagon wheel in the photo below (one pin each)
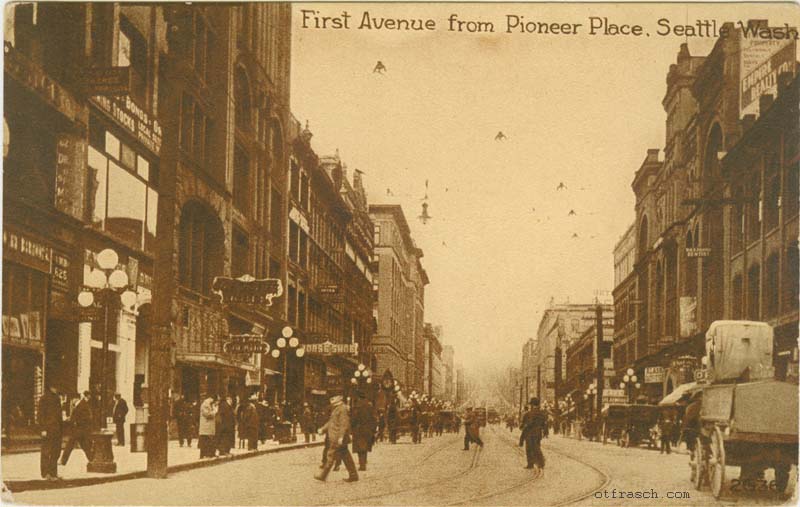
(697, 463)
(605, 435)
(716, 463)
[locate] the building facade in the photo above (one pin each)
(400, 282)
(448, 354)
(714, 218)
(433, 376)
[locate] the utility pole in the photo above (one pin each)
(161, 346)
(600, 355)
(539, 381)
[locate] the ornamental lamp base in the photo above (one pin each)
(102, 454)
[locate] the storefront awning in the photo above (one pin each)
(673, 397)
(214, 360)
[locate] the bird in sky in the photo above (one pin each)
(561, 186)
(571, 213)
(574, 235)
(500, 136)
(533, 210)
(389, 191)
(380, 68)
(444, 244)
(446, 189)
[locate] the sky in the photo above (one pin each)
(581, 110)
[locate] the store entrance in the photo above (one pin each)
(22, 369)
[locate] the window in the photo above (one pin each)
(303, 254)
(276, 216)
(201, 248)
(122, 198)
(132, 52)
(240, 255)
(737, 221)
(790, 193)
(294, 232)
(771, 283)
(203, 47)
(377, 234)
(791, 279)
(241, 87)
(301, 309)
(753, 221)
(772, 192)
(292, 308)
(753, 292)
(737, 299)
(304, 190)
(196, 132)
(241, 180)
(294, 179)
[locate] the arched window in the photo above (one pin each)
(241, 97)
(753, 292)
(201, 248)
(643, 241)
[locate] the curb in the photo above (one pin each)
(17, 486)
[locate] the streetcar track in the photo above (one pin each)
(474, 463)
(582, 496)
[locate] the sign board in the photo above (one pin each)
(125, 112)
(93, 313)
(329, 289)
(327, 348)
(26, 250)
(614, 397)
(698, 252)
(246, 344)
(247, 290)
(70, 187)
(654, 375)
(688, 316)
(108, 80)
(763, 59)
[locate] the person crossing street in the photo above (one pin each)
(338, 431)
(534, 428)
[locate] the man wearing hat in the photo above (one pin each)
(81, 421)
(51, 424)
(119, 414)
(338, 431)
(363, 422)
(534, 427)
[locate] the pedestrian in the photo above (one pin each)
(207, 427)
(238, 413)
(363, 421)
(183, 419)
(226, 429)
(307, 424)
(665, 428)
(381, 425)
(416, 427)
(262, 408)
(249, 423)
(338, 430)
(391, 422)
(51, 426)
(534, 426)
(81, 422)
(119, 414)
(472, 428)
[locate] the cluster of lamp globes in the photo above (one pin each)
(288, 341)
(629, 379)
(362, 373)
(107, 276)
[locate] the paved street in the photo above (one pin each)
(437, 472)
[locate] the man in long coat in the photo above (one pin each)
(82, 421)
(184, 420)
(534, 428)
(207, 427)
(249, 424)
(338, 430)
(363, 421)
(119, 414)
(226, 429)
(473, 430)
(307, 423)
(51, 425)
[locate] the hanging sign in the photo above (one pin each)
(698, 252)
(108, 80)
(327, 348)
(653, 374)
(132, 118)
(245, 344)
(247, 290)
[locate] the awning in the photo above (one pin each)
(267, 371)
(673, 397)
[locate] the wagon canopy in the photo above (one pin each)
(673, 397)
(733, 346)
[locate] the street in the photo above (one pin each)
(436, 472)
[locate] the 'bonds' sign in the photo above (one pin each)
(247, 290)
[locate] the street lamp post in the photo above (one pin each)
(629, 381)
(105, 284)
(286, 343)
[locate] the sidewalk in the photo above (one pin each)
(20, 472)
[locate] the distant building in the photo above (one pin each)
(448, 354)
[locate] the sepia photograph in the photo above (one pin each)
(400, 253)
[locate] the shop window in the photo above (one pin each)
(241, 180)
(121, 194)
(240, 264)
(753, 292)
(23, 304)
(201, 248)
